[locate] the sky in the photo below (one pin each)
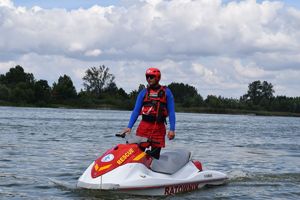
(217, 46)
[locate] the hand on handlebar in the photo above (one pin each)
(171, 135)
(127, 131)
(124, 132)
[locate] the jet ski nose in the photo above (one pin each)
(88, 182)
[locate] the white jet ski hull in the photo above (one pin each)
(137, 179)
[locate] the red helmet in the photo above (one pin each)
(154, 72)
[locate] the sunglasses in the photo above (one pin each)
(150, 76)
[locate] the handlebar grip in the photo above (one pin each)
(121, 135)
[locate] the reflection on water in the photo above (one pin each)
(44, 151)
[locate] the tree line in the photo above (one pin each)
(19, 88)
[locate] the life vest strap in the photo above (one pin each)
(151, 118)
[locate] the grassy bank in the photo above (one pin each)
(234, 111)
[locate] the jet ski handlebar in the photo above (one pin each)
(123, 135)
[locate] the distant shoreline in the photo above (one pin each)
(238, 112)
(202, 110)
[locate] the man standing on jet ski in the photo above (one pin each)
(155, 103)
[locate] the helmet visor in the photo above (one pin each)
(148, 76)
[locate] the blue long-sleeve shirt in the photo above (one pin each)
(139, 104)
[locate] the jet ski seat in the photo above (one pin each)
(171, 161)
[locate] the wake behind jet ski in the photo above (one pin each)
(126, 168)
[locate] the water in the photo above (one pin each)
(44, 151)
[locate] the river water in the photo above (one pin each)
(44, 151)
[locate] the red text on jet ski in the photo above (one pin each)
(180, 188)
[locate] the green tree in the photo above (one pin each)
(230, 103)
(21, 93)
(254, 93)
(213, 101)
(4, 92)
(97, 79)
(259, 93)
(63, 89)
(133, 94)
(42, 91)
(297, 104)
(267, 90)
(18, 85)
(17, 75)
(185, 94)
(111, 88)
(122, 93)
(3, 79)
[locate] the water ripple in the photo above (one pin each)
(44, 151)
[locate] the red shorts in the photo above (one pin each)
(154, 131)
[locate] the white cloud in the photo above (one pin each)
(5, 66)
(209, 76)
(150, 29)
(6, 3)
(206, 43)
(93, 53)
(75, 46)
(249, 71)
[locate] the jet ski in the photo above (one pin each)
(127, 168)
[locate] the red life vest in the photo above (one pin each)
(155, 105)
